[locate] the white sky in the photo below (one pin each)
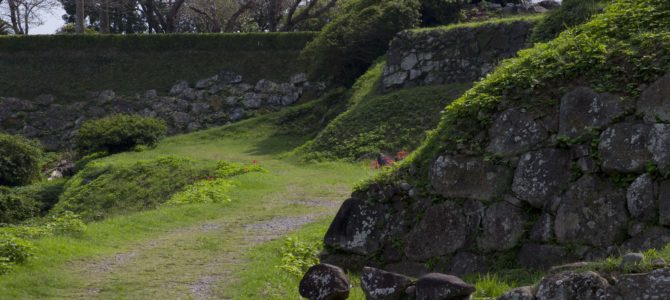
(52, 21)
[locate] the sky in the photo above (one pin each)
(52, 21)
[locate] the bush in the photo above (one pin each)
(440, 12)
(67, 223)
(19, 160)
(298, 256)
(571, 13)
(15, 250)
(45, 194)
(347, 46)
(119, 133)
(16, 208)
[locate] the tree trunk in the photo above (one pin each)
(14, 17)
(80, 17)
(104, 17)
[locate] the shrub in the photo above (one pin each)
(16, 208)
(19, 160)
(571, 13)
(204, 191)
(226, 169)
(15, 250)
(440, 12)
(67, 223)
(119, 133)
(298, 256)
(45, 194)
(347, 46)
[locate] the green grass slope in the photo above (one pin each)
(376, 124)
(69, 67)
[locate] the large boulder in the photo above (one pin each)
(655, 237)
(583, 109)
(624, 147)
(522, 293)
(570, 285)
(659, 143)
(641, 198)
(381, 285)
(654, 103)
(354, 228)
(324, 282)
(515, 131)
(543, 229)
(442, 231)
(502, 227)
(435, 286)
(466, 263)
(541, 175)
(664, 203)
(592, 212)
(469, 177)
(542, 256)
(653, 285)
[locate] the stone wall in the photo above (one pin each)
(442, 56)
(581, 179)
(217, 100)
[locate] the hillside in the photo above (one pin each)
(520, 172)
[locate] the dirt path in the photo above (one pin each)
(196, 262)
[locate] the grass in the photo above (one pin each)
(263, 278)
(527, 18)
(375, 124)
(182, 245)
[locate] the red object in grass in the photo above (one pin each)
(401, 155)
(255, 162)
(388, 161)
(374, 165)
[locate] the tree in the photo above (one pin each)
(25, 13)
(162, 14)
(80, 18)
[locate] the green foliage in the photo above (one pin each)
(119, 133)
(297, 255)
(14, 249)
(102, 189)
(204, 191)
(66, 223)
(15, 208)
(571, 13)
(19, 160)
(361, 32)
(381, 123)
(440, 12)
(69, 28)
(226, 169)
(130, 64)
(44, 193)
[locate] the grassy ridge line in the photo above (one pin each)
(528, 18)
(159, 42)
